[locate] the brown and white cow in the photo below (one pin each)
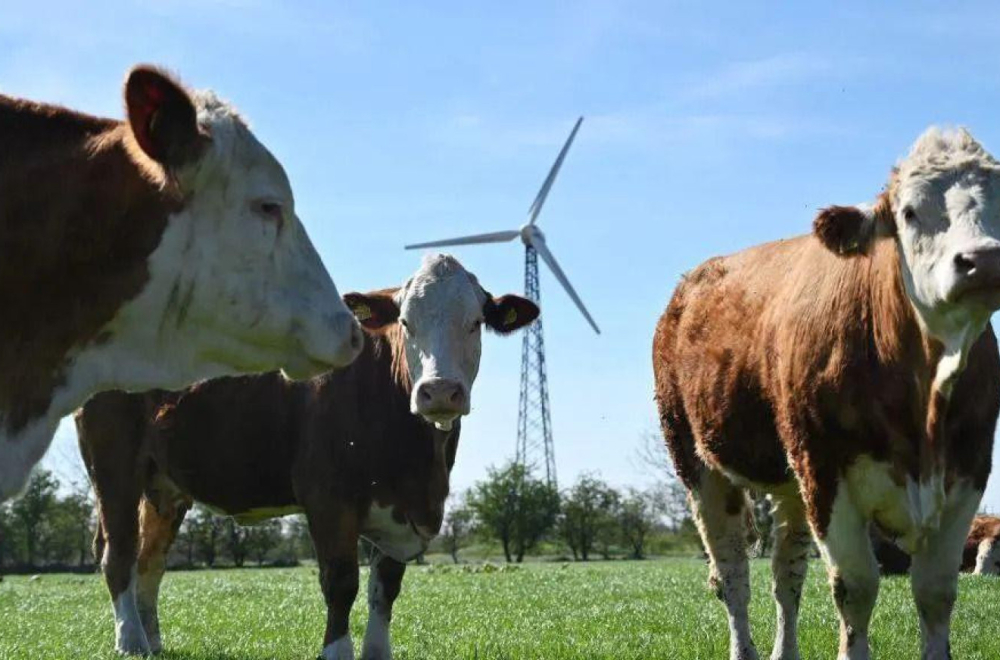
(981, 555)
(982, 547)
(147, 253)
(853, 375)
(365, 451)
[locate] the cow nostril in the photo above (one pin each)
(456, 395)
(964, 264)
(424, 394)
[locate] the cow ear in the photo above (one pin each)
(851, 230)
(374, 311)
(509, 313)
(162, 117)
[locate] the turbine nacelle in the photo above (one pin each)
(529, 233)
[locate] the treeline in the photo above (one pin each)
(511, 513)
(47, 530)
(591, 519)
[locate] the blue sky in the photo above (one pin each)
(709, 127)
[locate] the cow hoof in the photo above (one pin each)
(132, 641)
(376, 654)
(340, 649)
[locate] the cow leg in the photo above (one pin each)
(384, 583)
(120, 574)
(108, 431)
(988, 557)
(334, 530)
(934, 573)
(720, 512)
(854, 576)
(789, 563)
(157, 532)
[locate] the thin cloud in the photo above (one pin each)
(769, 72)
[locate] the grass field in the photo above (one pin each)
(620, 610)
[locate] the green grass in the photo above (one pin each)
(620, 610)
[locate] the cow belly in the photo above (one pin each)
(397, 540)
(881, 494)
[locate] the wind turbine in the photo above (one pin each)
(534, 427)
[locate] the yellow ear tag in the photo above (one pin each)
(511, 317)
(362, 312)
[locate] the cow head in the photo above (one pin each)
(235, 283)
(442, 310)
(942, 207)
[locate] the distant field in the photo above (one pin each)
(620, 611)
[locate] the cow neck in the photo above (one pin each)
(79, 217)
(902, 341)
(425, 454)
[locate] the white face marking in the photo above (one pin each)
(947, 217)
(235, 283)
(339, 649)
(130, 638)
(988, 558)
(441, 311)
(397, 540)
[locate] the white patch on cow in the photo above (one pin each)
(851, 565)
(441, 310)
(397, 540)
(377, 645)
(725, 538)
(874, 491)
(130, 637)
(339, 649)
(789, 563)
(934, 570)
(988, 558)
(228, 293)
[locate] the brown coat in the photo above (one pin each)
(786, 360)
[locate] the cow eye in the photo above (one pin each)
(909, 214)
(406, 326)
(475, 326)
(272, 211)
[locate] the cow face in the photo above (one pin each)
(441, 311)
(943, 207)
(235, 282)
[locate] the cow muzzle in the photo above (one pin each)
(441, 401)
(331, 344)
(977, 277)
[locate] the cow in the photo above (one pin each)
(852, 374)
(981, 555)
(147, 253)
(364, 452)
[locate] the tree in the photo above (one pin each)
(637, 518)
(71, 526)
(262, 539)
(671, 500)
(588, 517)
(8, 541)
(514, 507)
(207, 530)
(457, 525)
(235, 539)
(32, 512)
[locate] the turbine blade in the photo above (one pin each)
(494, 237)
(536, 206)
(543, 252)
